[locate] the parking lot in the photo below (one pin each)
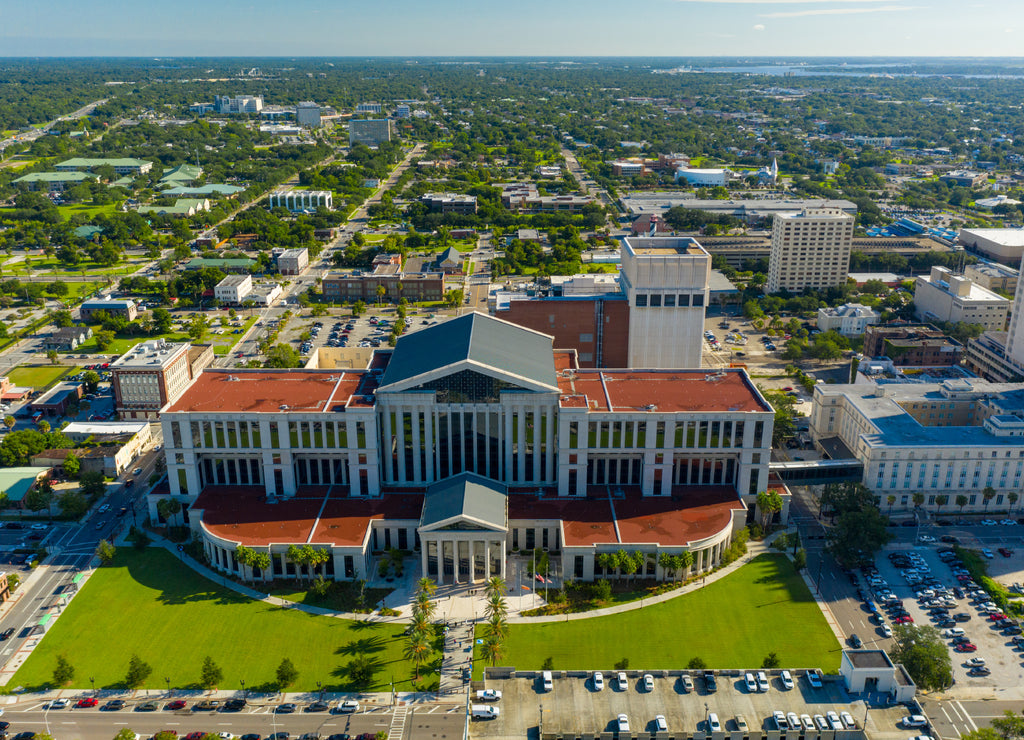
(998, 650)
(575, 709)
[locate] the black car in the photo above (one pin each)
(1012, 630)
(251, 736)
(6, 634)
(979, 671)
(945, 623)
(234, 705)
(287, 708)
(317, 706)
(710, 683)
(113, 705)
(336, 736)
(962, 617)
(856, 642)
(147, 706)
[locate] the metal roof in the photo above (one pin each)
(477, 339)
(468, 497)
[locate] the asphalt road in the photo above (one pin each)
(421, 720)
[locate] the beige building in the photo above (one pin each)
(810, 250)
(233, 289)
(992, 275)
(943, 296)
(1004, 245)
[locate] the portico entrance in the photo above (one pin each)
(463, 529)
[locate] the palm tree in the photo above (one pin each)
(426, 586)
(420, 623)
(961, 501)
(495, 585)
(668, 563)
(424, 605)
(496, 629)
(417, 650)
(492, 651)
(988, 493)
(605, 561)
(940, 501)
(687, 561)
(1012, 498)
(890, 499)
(918, 499)
(496, 606)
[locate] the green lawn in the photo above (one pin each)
(39, 376)
(45, 267)
(732, 623)
(68, 211)
(150, 604)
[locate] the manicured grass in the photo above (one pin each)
(152, 605)
(39, 376)
(735, 622)
(68, 211)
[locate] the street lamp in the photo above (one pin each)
(93, 682)
(242, 681)
(168, 680)
(319, 689)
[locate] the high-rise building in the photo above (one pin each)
(239, 104)
(810, 250)
(308, 114)
(665, 280)
(371, 131)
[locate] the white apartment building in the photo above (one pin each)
(943, 439)
(703, 178)
(298, 201)
(233, 289)
(665, 280)
(810, 250)
(850, 319)
(943, 296)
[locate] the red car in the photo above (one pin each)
(997, 617)
(1005, 552)
(87, 702)
(176, 704)
(966, 647)
(195, 736)
(906, 619)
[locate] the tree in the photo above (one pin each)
(126, 733)
(168, 508)
(800, 559)
(52, 356)
(417, 650)
(920, 649)
(91, 379)
(940, 501)
(860, 529)
(987, 494)
(769, 503)
(10, 421)
(696, 664)
(92, 484)
(71, 465)
(39, 497)
(962, 501)
(72, 504)
(282, 356)
(211, 675)
(103, 339)
(360, 671)
(1009, 726)
(1012, 497)
(197, 328)
(62, 319)
(138, 672)
(287, 674)
(105, 551)
(890, 499)
(492, 651)
(771, 661)
(63, 672)
(160, 321)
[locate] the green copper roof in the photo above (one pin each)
(468, 497)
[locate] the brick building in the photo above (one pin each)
(418, 287)
(912, 345)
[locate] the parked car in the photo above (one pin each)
(914, 720)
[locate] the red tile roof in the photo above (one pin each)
(660, 390)
(265, 391)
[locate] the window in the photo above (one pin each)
(641, 300)
(656, 301)
(698, 299)
(670, 301)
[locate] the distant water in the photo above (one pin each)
(848, 70)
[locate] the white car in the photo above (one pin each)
(848, 721)
(660, 725)
(814, 680)
(762, 681)
(622, 681)
(751, 682)
(1007, 522)
(648, 682)
(886, 630)
(598, 681)
(623, 723)
(975, 662)
(713, 724)
(833, 720)
(57, 704)
(348, 706)
(914, 720)
(953, 632)
(987, 553)
(926, 539)
(787, 680)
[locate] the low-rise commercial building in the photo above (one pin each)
(57, 400)
(121, 165)
(964, 178)
(53, 181)
(1002, 245)
(450, 202)
(301, 201)
(413, 287)
(233, 289)
(68, 338)
(703, 177)
(994, 276)
(124, 308)
(292, 261)
(912, 345)
(944, 296)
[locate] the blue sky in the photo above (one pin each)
(957, 28)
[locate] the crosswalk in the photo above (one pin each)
(397, 728)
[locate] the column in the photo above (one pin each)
(417, 472)
(423, 558)
(472, 562)
(521, 444)
(455, 555)
(506, 446)
(385, 453)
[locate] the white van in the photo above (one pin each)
(546, 680)
(485, 711)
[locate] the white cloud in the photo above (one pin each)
(839, 11)
(759, 27)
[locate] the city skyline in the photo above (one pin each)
(530, 28)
